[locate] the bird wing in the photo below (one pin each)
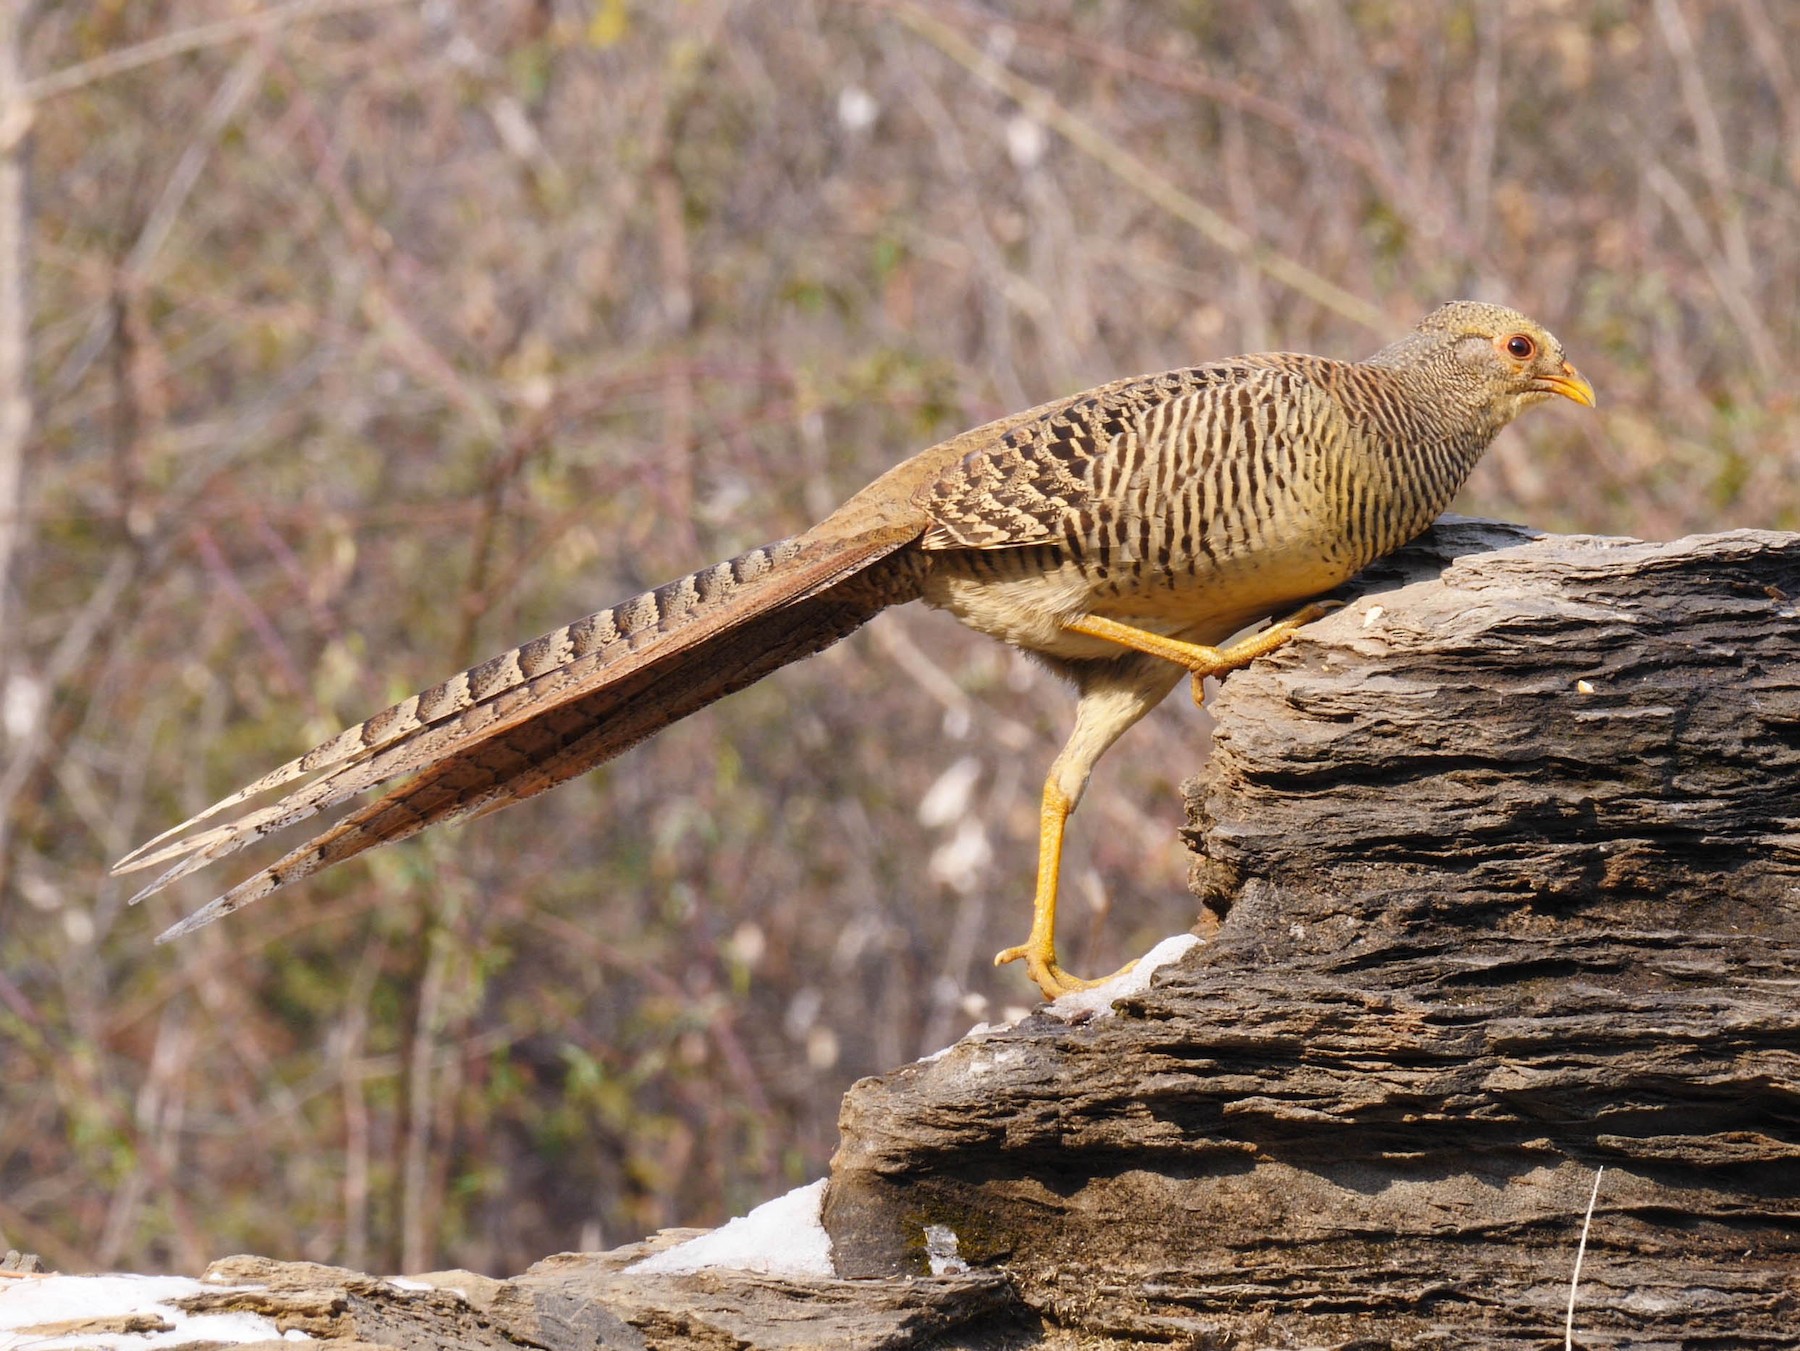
(1064, 476)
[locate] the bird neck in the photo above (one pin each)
(1428, 369)
(1429, 423)
(1413, 350)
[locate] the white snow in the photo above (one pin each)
(942, 1251)
(783, 1237)
(970, 1035)
(1098, 1002)
(33, 1301)
(408, 1285)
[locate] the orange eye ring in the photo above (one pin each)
(1520, 347)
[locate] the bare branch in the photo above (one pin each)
(1145, 178)
(190, 40)
(15, 398)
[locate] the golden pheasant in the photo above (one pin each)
(1116, 535)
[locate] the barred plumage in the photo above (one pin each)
(1117, 535)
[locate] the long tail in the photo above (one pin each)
(531, 718)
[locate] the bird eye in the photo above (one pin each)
(1521, 347)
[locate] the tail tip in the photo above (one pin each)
(200, 918)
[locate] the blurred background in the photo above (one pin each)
(365, 338)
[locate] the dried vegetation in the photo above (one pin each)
(373, 338)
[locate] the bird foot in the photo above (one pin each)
(1040, 965)
(1247, 650)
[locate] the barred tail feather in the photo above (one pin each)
(569, 699)
(504, 767)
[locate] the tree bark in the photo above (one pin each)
(570, 1302)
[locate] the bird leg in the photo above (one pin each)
(1039, 949)
(1110, 704)
(1114, 695)
(1200, 659)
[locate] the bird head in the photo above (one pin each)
(1513, 361)
(1488, 359)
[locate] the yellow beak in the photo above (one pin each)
(1571, 384)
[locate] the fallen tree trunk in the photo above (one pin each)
(1501, 873)
(1503, 863)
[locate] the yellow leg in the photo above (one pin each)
(1039, 949)
(1202, 661)
(1112, 698)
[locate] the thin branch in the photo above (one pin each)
(232, 91)
(1484, 122)
(1734, 298)
(1709, 138)
(15, 322)
(133, 272)
(1138, 174)
(1187, 77)
(1580, 1252)
(194, 39)
(418, 1210)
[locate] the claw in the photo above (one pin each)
(1317, 609)
(1040, 965)
(1242, 653)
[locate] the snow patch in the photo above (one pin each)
(1093, 1003)
(1098, 1002)
(35, 1302)
(979, 1030)
(942, 1251)
(407, 1285)
(783, 1237)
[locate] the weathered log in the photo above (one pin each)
(1504, 871)
(571, 1302)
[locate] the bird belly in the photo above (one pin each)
(1025, 601)
(1016, 599)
